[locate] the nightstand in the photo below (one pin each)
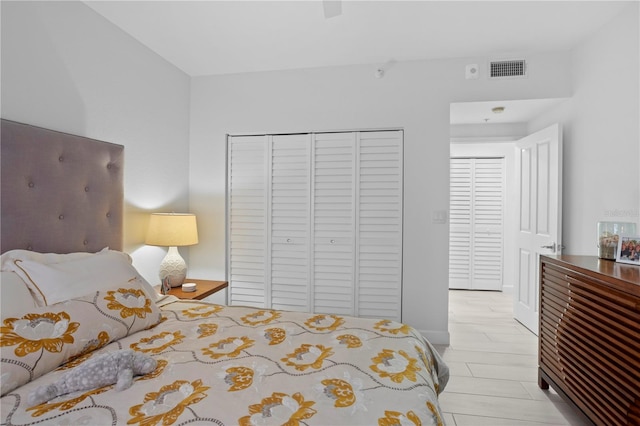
(204, 288)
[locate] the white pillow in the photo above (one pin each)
(57, 282)
(15, 298)
(7, 258)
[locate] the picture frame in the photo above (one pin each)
(629, 249)
(165, 287)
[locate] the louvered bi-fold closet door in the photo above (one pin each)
(290, 273)
(460, 220)
(247, 183)
(315, 222)
(476, 223)
(488, 235)
(379, 224)
(333, 212)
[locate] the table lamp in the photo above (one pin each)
(172, 230)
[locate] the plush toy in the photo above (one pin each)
(117, 367)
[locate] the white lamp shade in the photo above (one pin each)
(172, 229)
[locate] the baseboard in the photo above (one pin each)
(436, 337)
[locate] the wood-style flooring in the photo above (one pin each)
(493, 362)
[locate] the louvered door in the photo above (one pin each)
(334, 165)
(476, 223)
(290, 216)
(247, 182)
(460, 220)
(379, 225)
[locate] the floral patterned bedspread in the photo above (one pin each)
(244, 366)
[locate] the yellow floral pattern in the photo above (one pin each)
(396, 418)
(202, 311)
(341, 391)
(225, 366)
(392, 327)
(160, 367)
(324, 322)
(436, 413)
(349, 340)
(66, 404)
(397, 366)
(239, 378)
(61, 335)
(275, 335)
(166, 405)
(230, 347)
(281, 409)
(158, 342)
(129, 301)
(260, 317)
(35, 332)
(206, 330)
(308, 356)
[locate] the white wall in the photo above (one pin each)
(601, 133)
(414, 96)
(66, 68)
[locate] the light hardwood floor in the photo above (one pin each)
(493, 362)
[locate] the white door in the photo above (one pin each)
(290, 183)
(333, 226)
(379, 225)
(539, 169)
(248, 195)
(476, 223)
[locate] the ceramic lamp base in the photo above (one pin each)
(173, 268)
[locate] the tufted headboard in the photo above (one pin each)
(60, 193)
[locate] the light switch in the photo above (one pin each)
(439, 216)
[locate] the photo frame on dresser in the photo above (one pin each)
(629, 250)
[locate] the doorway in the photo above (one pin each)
(477, 131)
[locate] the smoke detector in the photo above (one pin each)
(472, 72)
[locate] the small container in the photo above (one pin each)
(608, 236)
(189, 287)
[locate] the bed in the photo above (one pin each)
(75, 296)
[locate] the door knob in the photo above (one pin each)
(551, 246)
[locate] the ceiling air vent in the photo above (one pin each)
(515, 68)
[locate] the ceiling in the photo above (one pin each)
(222, 37)
(520, 111)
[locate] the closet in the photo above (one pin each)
(476, 225)
(314, 222)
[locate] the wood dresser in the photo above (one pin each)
(589, 341)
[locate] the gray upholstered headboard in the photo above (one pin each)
(60, 193)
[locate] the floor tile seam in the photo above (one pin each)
(503, 396)
(508, 417)
(517, 380)
(499, 352)
(505, 418)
